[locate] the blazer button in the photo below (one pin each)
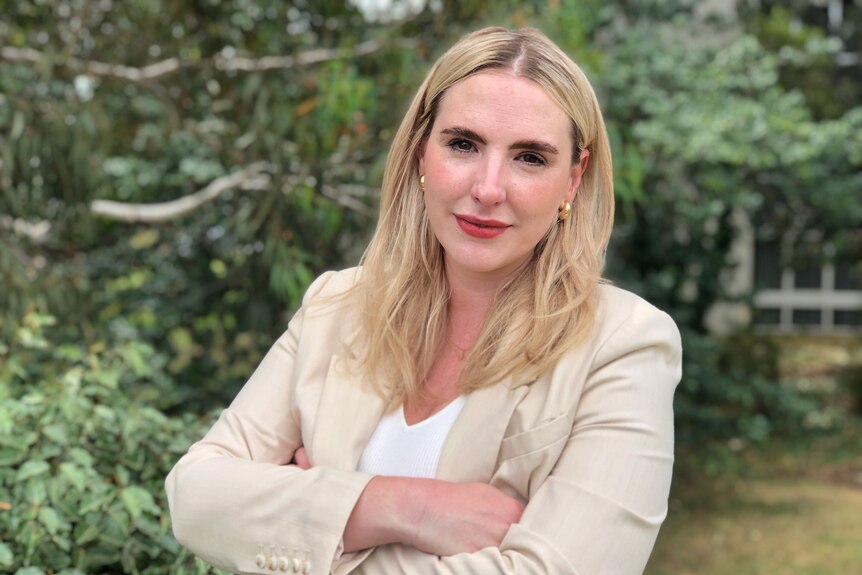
(283, 563)
(306, 566)
(260, 558)
(296, 565)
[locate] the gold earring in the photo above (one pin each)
(422, 184)
(565, 211)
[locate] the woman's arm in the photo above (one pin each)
(434, 516)
(233, 498)
(600, 509)
(437, 517)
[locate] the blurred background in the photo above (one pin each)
(175, 172)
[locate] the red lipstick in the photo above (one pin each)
(479, 228)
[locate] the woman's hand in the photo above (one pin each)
(300, 459)
(464, 517)
(434, 516)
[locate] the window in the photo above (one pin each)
(824, 297)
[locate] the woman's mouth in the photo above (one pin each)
(481, 228)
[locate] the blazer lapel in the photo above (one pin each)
(349, 411)
(471, 448)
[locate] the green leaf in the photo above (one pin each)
(52, 521)
(144, 239)
(81, 456)
(19, 122)
(15, 367)
(135, 354)
(32, 469)
(22, 440)
(108, 378)
(73, 474)
(137, 500)
(35, 492)
(41, 319)
(201, 171)
(73, 378)
(29, 571)
(10, 457)
(6, 555)
(96, 502)
(105, 412)
(31, 339)
(88, 534)
(6, 421)
(62, 542)
(119, 519)
(56, 433)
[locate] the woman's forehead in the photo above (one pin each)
(502, 103)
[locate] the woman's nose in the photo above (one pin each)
(488, 188)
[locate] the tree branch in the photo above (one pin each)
(286, 62)
(250, 177)
(347, 197)
(169, 66)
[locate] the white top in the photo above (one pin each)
(402, 450)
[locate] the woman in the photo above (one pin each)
(473, 399)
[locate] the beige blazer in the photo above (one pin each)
(588, 446)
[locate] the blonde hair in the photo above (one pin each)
(550, 306)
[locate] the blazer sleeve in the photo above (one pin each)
(234, 499)
(600, 509)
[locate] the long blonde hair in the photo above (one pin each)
(550, 306)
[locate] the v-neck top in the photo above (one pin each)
(402, 450)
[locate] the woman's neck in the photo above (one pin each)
(470, 300)
(471, 289)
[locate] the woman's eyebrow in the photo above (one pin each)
(535, 146)
(463, 133)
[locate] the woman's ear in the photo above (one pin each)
(578, 170)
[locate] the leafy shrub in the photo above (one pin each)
(850, 379)
(83, 459)
(730, 396)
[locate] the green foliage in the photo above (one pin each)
(83, 456)
(730, 392)
(706, 134)
(808, 59)
(850, 379)
(224, 277)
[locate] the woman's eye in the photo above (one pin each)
(461, 145)
(533, 159)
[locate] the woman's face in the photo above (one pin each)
(497, 166)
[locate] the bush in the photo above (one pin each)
(850, 379)
(83, 459)
(730, 397)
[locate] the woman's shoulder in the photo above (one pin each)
(619, 305)
(331, 284)
(329, 314)
(623, 314)
(332, 294)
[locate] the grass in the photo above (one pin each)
(791, 507)
(776, 526)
